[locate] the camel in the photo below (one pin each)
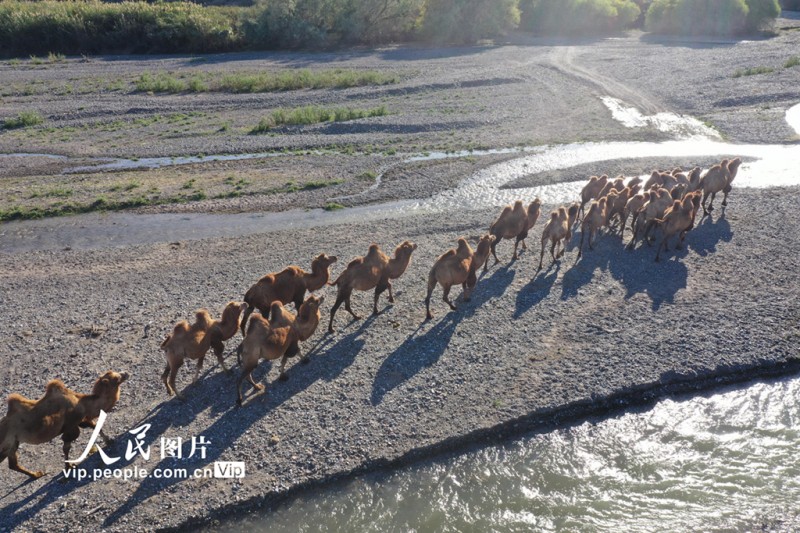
(733, 169)
(362, 274)
(479, 258)
(193, 341)
(593, 221)
(60, 411)
(557, 231)
(451, 268)
(278, 337)
(716, 179)
(663, 179)
(592, 189)
(658, 201)
(615, 204)
(398, 265)
(632, 207)
(533, 211)
(617, 184)
(511, 223)
(288, 285)
(677, 220)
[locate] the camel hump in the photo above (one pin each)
(203, 318)
(14, 402)
(355, 262)
(449, 253)
(180, 327)
(267, 278)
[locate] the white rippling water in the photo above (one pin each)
(721, 462)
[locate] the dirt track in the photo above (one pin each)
(526, 351)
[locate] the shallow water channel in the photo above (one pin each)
(724, 461)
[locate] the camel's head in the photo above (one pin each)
(572, 212)
(232, 311)
(602, 180)
(535, 206)
(324, 261)
(694, 175)
(733, 166)
(310, 307)
(405, 249)
(107, 388)
(634, 182)
(484, 243)
(374, 250)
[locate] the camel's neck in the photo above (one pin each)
(398, 265)
(317, 279)
(306, 326)
(229, 325)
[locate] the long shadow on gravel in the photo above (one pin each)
(418, 352)
(537, 289)
(233, 421)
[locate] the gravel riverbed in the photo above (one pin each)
(528, 350)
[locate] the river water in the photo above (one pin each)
(727, 461)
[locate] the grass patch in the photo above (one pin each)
(261, 82)
(752, 71)
(332, 206)
(58, 192)
(23, 120)
(792, 62)
(311, 185)
(314, 115)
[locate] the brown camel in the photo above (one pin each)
(557, 231)
(677, 220)
(511, 223)
(591, 190)
(658, 201)
(193, 341)
(733, 169)
(593, 221)
(534, 210)
(60, 411)
(632, 207)
(278, 337)
(288, 285)
(398, 265)
(362, 274)
(715, 180)
(479, 258)
(617, 184)
(451, 268)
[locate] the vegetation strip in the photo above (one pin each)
(314, 115)
(260, 82)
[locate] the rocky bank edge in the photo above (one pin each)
(575, 339)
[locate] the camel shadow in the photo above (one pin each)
(536, 290)
(708, 233)
(421, 351)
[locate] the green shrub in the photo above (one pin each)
(709, 17)
(578, 16)
(466, 21)
(314, 115)
(92, 27)
(23, 120)
(792, 62)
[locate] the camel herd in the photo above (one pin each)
(667, 201)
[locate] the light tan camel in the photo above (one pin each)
(592, 189)
(451, 268)
(593, 221)
(715, 180)
(288, 285)
(397, 265)
(511, 223)
(60, 411)
(193, 341)
(278, 337)
(361, 274)
(557, 231)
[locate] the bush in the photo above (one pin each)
(709, 17)
(95, 27)
(466, 21)
(23, 120)
(578, 16)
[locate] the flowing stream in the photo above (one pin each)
(721, 462)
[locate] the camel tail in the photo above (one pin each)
(3, 435)
(166, 341)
